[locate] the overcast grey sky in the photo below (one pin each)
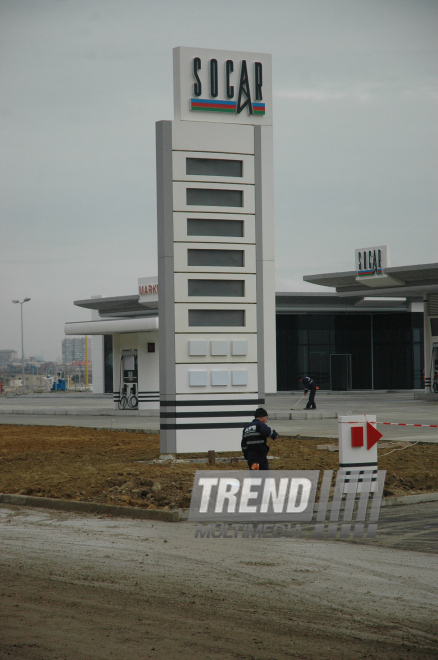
(84, 81)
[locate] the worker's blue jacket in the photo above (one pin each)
(309, 383)
(254, 436)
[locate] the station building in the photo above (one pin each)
(357, 337)
(226, 338)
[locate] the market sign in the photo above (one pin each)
(147, 290)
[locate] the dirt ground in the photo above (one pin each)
(76, 586)
(93, 587)
(119, 467)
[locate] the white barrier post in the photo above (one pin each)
(358, 438)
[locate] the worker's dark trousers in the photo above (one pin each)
(311, 401)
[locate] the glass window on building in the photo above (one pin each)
(396, 354)
(383, 350)
(352, 336)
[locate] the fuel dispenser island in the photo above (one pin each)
(128, 390)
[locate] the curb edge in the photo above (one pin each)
(162, 515)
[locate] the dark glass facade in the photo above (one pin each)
(108, 362)
(385, 349)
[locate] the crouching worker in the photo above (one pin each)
(254, 437)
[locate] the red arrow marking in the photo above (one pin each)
(373, 435)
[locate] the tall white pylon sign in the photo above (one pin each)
(215, 249)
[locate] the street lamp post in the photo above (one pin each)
(22, 343)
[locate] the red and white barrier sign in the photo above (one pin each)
(358, 439)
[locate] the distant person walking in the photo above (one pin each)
(309, 386)
(254, 437)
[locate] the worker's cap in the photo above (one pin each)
(260, 412)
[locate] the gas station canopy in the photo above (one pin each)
(119, 306)
(407, 281)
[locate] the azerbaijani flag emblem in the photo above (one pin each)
(223, 106)
(258, 108)
(213, 106)
(369, 271)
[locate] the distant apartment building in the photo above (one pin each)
(7, 356)
(73, 349)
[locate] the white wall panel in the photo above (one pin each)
(190, 378)
(219, 377)
(205, 136)
(239, 347)
(183, 341)
(266, 165)
(219, 347)
(220, 439)
(197, 378)
(184, 402)
(197, 348)
(148, 372)
(98, 361)
(270, 337)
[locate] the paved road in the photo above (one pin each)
(96, 411)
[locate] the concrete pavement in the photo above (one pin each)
(82, 409)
